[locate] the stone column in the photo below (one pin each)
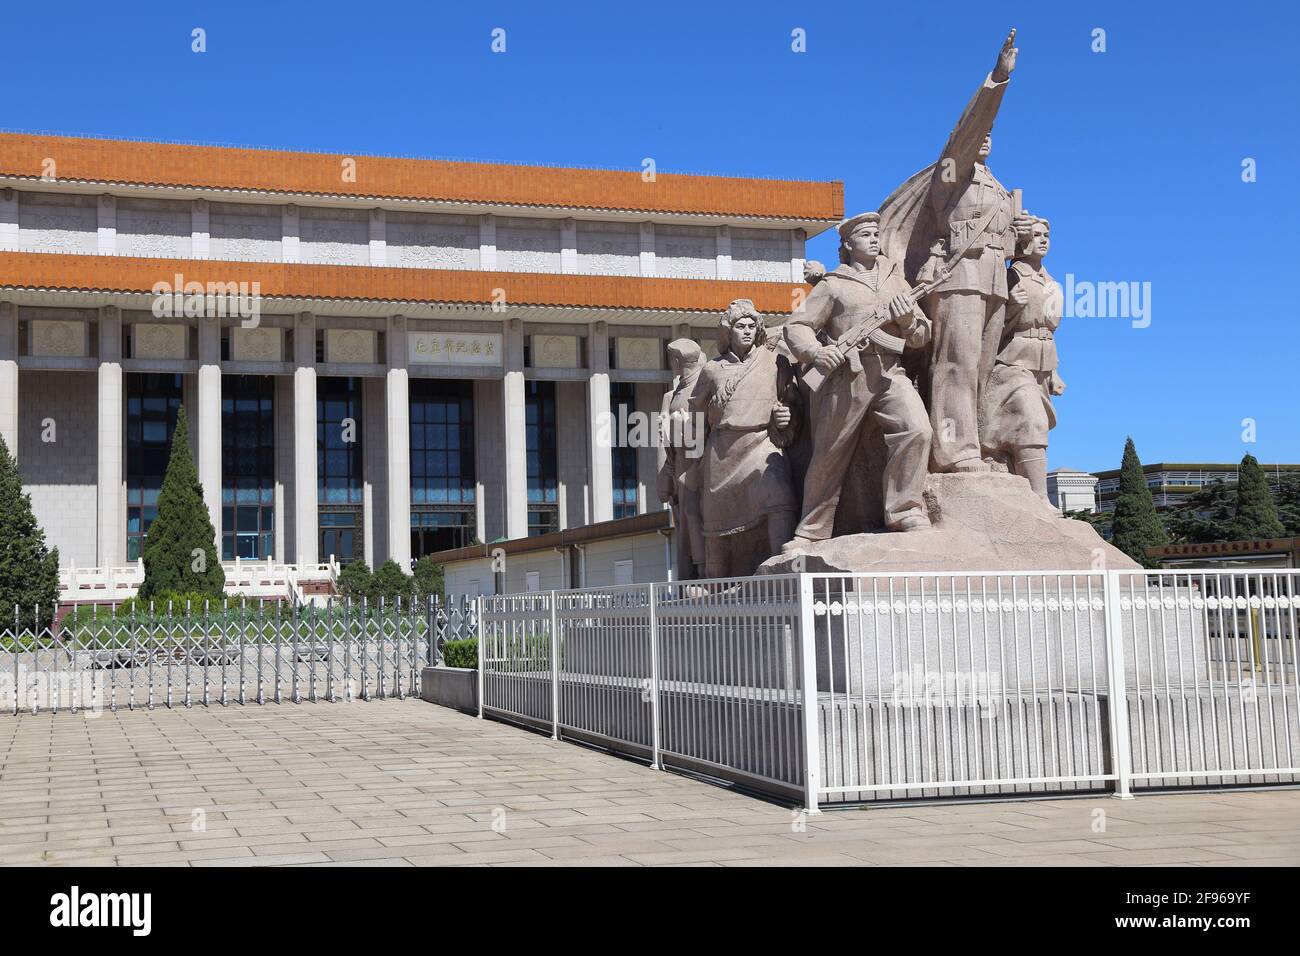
(9, 375)
(724, 252)
(516, 436)
(487, 243)
(568, 246)
(306, 534)
(378, 237)
(9, 219)
(107, 242)
(289, 244)
(398, 473)
(648, 248)
(200, 230)
(601, 469)
(209, 419)
(110, 547)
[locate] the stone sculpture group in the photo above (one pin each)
(923, 353)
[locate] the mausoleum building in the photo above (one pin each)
(380, 357)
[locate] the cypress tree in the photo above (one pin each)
(29, 571)
(1136, 525)
(1256, 515)
(180, 554)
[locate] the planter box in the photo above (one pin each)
(454, 687)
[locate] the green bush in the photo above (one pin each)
(390, 584)
(461, 653)
(355, 580)
(428, 579)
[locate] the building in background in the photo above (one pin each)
(1072, 490)
(1172, 483)
(381, 358)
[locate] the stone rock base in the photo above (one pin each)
(984, 521)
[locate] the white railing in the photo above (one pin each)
(252, 579)
(842, 688)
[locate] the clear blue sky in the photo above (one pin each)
(1134, 154)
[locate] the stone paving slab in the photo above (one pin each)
(402, 783)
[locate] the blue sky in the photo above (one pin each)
(1135, 154)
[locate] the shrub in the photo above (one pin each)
(429, 581)
(355, 580)
(390, 584)
(461, 653)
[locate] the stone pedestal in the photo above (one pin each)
(987, 521)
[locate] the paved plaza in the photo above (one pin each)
(407, 783)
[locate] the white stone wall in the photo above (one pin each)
(61, 475)
(469, 577)
(609, 248)
(55, 222)
(528, 245)
(244, 231)
(647, 553)
(339, 237)
(686, 252)
(432, 240)
(49, 222)
(760, 254)
(155, 228)
(547, 565)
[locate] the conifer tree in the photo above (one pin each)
(29, 571)
(1136, 525)
(1256, 516)
(180, 554)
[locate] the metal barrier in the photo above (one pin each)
(837, 688)
(92, 659)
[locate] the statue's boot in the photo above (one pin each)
(797, 545)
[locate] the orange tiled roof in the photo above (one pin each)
(310, 281)
(220, 167)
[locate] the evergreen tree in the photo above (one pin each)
(29, 571)
(355, 580)
(1205, 516)
(1288, 504)
(180, 554)
(1136, 526)
(1256, 515)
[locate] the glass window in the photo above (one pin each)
(540, 435)
(339, 460)
(622, 403)
(434, 531)
(247, 466)
(442, 442)
(152, 401)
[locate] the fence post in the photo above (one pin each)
(555, 670)
(808, 678)
(1117, 694)
(482, 640)
(655, 763)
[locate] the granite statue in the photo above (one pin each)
(676, 477)
(861, 381)
(1016, 403)
(956, 210)
(749, 402)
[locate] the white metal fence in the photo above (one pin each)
(842, 688)
(103, 657)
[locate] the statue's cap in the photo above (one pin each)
(848, 225)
